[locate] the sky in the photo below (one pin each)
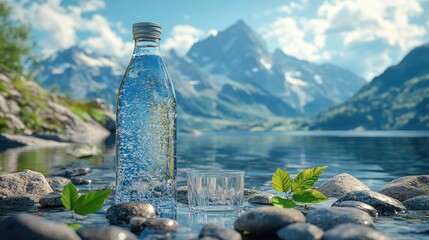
(364, 36)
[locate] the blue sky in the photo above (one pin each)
(365, 36)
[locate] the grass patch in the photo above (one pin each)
(4, 88)
(85, 110)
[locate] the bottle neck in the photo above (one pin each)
(146, 47)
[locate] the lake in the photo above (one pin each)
(375, 158)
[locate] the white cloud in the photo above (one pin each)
(182, 38)
(60, 26)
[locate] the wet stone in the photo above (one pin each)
(300, 231)
(406, 187)
(417, 203)
(57, 183)
(68, 173)
(29, 227)
(267, 220)
(122, 213)
(261, 199)
(384, 205)
(163, 224)
(216, 231)
(359, 205)
(80, 181)
(51, 200)
(106, 233)
(18, 203)
(340, 185)
(350, 231)
(326, 218)
(182, 194)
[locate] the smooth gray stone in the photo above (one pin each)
(300, 231)
(163, 224)
(261, 199)
(359, 205)
(106, 233)
(28, 227)
(326, 218)
(341, 184)
(122, 213)
(73, 172)
(26, 183)
(350, 231)
(417, 203)
(406, 187)
(385, 205)
(216, 231)
(57, 183)
(80, 181)
(267, 220)
(51, 200)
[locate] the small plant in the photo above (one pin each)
(299, 190)
(84, 204)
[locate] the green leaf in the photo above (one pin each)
(306, 179)
(74, 226)
(69, 196)
(281, 181)
(309, 196)
(91, 202)
(281, 202)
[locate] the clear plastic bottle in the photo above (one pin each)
(146, 126)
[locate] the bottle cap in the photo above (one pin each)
(147, 30)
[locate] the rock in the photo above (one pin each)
(123, 212)
(28, 227)
(359, 205)
(80, 181)
(261, 199)
(406, 187)
(267, 220)
(385, 205)
(111, 186)
(24, 184)
(57, 183)
(163, 224)
(182, 194)
(340, 185)
(106, 233)
(51, 200)
(15, 140)
(326, 218)
(136, 223)
(417, 203)
(215, 231)
(17, 203)
(350, 231)
(84, 151)
(68, 173)
(300, 231)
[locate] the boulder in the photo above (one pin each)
(406, 187)
(340, 185)
(267, 220)
(326, 218)
(359, 205)
(417, 203)
(51, 200)
(57, 183)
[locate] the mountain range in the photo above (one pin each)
(227, 81)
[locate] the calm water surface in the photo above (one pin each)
(375, 158)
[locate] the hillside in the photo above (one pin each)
(396, 99)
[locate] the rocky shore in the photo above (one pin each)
(352, 215)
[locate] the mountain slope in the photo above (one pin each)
(396, 99)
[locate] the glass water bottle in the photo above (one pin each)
(146, 126)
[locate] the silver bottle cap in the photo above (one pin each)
(147, 30)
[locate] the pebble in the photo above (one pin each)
(68, 173)
(57, 183)
(28, 227)
(300, 231)
(359, 205)
(385, 205)
(163, 224)
(80, 181)
(122, 213)
(51, 200)
(417, 203)
(26, 183)
(216, 231)
(267, 220)
(341, 184)
(106, 233)
(261, 199)
(350, 231)
(326, 218)
(406, 187)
